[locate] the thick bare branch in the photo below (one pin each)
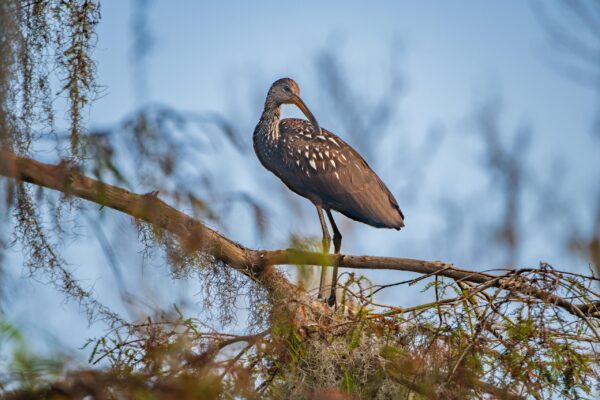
(256, 264)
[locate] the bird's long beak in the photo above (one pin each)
(298, 102)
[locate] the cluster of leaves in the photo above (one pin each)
(519, 345)
(474, 342)
(170, 357)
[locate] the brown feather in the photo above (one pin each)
(329, 172)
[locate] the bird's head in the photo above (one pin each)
(287, 91)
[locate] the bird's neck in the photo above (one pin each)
(268, 126)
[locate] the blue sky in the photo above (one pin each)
(222, 56)
(208, 56)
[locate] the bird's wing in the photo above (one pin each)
(330, 171)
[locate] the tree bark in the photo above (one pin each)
(257, 264)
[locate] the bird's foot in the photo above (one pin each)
(331, 301)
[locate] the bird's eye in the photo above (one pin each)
(287, 89)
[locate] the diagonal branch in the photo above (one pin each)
(256, 264)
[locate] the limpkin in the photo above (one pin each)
(320, 166)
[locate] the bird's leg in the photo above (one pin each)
(326, 243)
(337, 245)
(337, 236)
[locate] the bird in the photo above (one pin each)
(323, 168)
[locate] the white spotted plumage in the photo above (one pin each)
(325, 164)
(321, 167)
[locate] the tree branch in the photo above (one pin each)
(195, 236)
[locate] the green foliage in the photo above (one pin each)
(25, 369)
(470, 346)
